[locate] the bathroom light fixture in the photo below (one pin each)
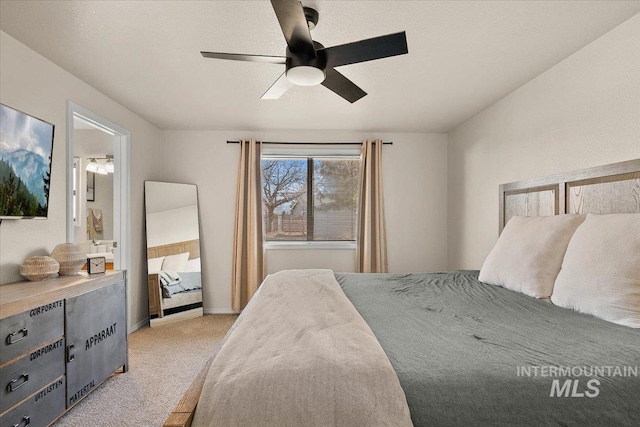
(92, 166)
(101, 165)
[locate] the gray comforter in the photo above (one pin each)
(467, 353)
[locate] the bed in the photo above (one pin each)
(464, 352)
(183, 291)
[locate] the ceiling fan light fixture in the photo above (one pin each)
(305, 75)
(308, 63)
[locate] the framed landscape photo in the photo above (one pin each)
(91, 187)
(26, 147)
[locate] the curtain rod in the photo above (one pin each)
(310, 143)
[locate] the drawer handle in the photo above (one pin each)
(70, 356)
(12, 387)
(23, 422)
(23, 332)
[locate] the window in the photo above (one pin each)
(310, 198)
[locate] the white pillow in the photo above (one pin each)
(528, 255)
(193, 265)
(154, 265)
(175, 262)
(601, 270)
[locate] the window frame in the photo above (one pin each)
(332, 152)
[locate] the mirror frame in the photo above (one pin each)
(187, 303)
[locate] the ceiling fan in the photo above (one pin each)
(308, 62)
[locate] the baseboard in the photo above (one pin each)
(140, 324)
(145, 322)
(219, 311)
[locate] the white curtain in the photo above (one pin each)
(248, 253)
(371, 246)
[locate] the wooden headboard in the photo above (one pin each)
(613, 188)
(191, 246)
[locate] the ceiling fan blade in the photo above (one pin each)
(294, 26)
(278, 88)
(367, 50)
(246, 58)
(342, 86)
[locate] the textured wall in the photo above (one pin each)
(415, 170)
(172, 226)
(583, 112)
(35, 85)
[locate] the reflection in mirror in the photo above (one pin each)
(93, 194)
(173, 251)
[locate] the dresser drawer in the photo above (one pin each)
(40, 409)
(32, 371)
(24, 331)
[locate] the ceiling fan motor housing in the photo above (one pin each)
(305, 70)
(311, 16)
(308, 63)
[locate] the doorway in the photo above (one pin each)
(98, 213)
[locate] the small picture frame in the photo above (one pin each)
(91, 187)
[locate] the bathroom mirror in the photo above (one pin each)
(94, 194)
(173, 251)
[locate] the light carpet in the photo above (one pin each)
(163, 362)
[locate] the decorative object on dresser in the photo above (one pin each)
(70, 256)
(96, 265)
(39, 268)
(50, 357)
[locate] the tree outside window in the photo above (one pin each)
(310, 198)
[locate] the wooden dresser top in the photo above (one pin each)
(21, 296)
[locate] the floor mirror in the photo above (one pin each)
(173, 251)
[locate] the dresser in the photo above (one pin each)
(59, 340)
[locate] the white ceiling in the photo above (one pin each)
(463, 56)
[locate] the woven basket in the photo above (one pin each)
(70, 256)
(39, 268)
